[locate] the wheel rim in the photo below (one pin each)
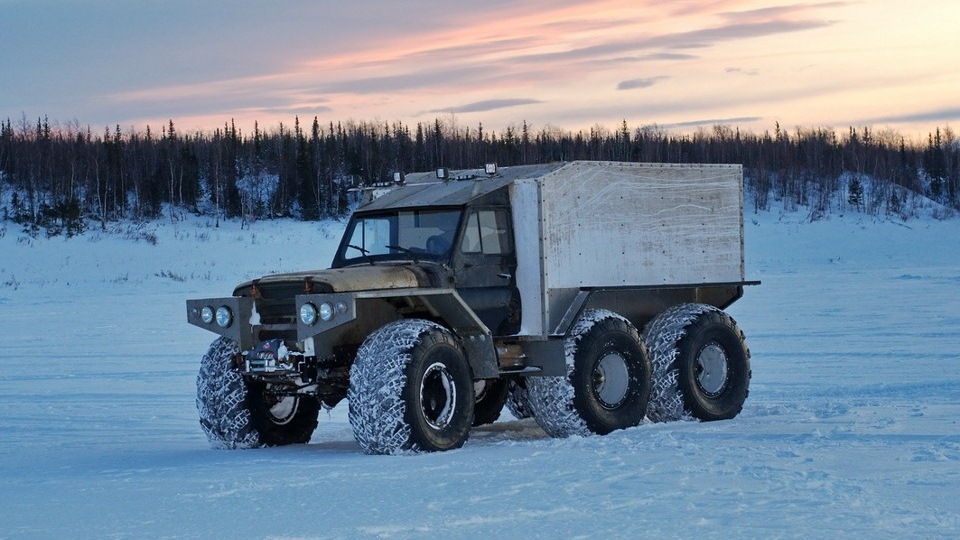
(284, 410)
(712, 369)
(480, 388)
(611, 380)
(438, 396)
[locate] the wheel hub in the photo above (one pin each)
(712, 369)
(480, 388)
(283, 410)
(611, 380)
(438, 396)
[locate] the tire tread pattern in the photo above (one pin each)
(377, 380)
(552, 399)
(518, 402)
(222, 400)
(663, 335)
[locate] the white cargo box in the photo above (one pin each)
(607, 226)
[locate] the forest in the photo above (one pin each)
(60, 179)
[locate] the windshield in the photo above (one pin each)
(401, 234)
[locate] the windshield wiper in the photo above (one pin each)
(364, 252)
(405, 250)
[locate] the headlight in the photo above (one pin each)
(224, 316)
(308, 314)
(206, 315)
(326, 312)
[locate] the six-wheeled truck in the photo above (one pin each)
(588, 295)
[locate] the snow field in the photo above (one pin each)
(850, 428)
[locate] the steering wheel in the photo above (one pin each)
(437, 245)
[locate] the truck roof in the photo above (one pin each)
(461, 187)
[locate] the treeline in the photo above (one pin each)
(61, 178)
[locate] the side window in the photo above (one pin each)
(488, 232)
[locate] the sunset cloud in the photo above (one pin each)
(932, 115)
(487, 105)
(639, 83)
(568, 62)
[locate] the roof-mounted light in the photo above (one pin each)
(443, 173)
(490, 169)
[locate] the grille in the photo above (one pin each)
(277, 304)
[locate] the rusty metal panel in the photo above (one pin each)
(357, 278)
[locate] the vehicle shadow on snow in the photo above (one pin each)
(507, 430)
(486, 435)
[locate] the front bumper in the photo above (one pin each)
(245, 325)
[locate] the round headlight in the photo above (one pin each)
(206, 315)
(326, 312)
(308, 314)
(224, 316)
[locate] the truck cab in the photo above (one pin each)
(469, 248)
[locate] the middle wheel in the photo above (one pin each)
(607, 386)
(410, 389)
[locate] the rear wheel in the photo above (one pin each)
(607, 384)
(701, 364)
(410, 389)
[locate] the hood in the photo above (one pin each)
(350, 279)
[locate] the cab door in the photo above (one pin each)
(485, 269)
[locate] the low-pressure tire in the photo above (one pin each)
(234, 414)
(282, 419)
(410, 390)
(607, 384)
(518, 403)
(701, 364)
(490, 396)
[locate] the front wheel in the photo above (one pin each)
(410, 389)
(281, 418)
(491, 395)
(235, 414)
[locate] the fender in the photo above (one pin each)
(444, 305)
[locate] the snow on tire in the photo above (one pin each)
(491, 394)
(701, 364)
(607, 384)
(517, 401)
(410, 389)
(281, 419)
(235, 414)
(222, 399)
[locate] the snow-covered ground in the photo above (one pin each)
(850, 428)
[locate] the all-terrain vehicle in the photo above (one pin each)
(588, 295)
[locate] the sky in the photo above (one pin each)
(568, 64)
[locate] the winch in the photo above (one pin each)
(272, 356)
